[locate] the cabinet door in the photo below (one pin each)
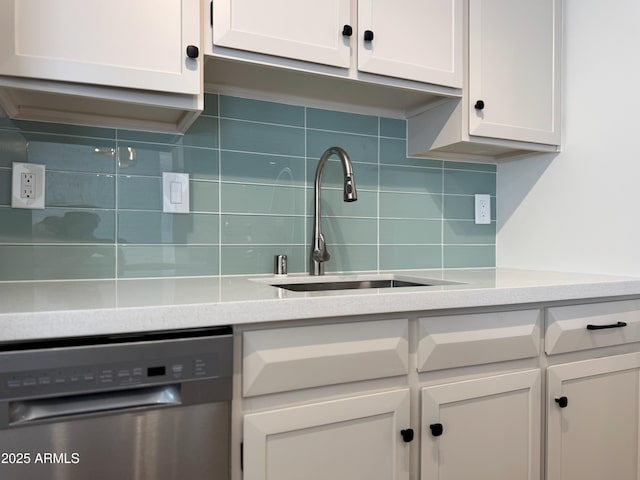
(490, 428)
(514, 68)
(417, 40)
(594, 435)
(120, 43)
(344, 439)
(301, 30)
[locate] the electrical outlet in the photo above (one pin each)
(483, 209)
(27, 185)
(28, 181)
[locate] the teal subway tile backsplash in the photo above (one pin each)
(261, 137)
(392, 127)
(251, 165)
(261, 111)
(342, 122)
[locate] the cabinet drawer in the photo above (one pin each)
(282, 359)
(593, 325)
(461, 340)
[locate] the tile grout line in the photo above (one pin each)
(378, 203)
(117, 212)
(219, 151)
(307, 235)
(442, 219)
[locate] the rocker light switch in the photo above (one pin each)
(175, 192)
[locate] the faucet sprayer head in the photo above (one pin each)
(350, 192)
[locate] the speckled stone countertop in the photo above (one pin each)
(38, 310)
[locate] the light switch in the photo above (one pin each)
(175, 192)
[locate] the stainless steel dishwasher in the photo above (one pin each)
(141, 406)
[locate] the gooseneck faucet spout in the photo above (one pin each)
(319, 253)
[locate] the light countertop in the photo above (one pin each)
(49, 309)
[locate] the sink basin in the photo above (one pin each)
(349, 285)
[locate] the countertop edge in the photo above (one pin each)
(96, 321)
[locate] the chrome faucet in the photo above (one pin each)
(319, 253)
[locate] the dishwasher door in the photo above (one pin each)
(180, 443)
(138, 408)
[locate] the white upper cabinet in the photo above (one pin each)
(513, 70)
(403, 41)
(417, 40)
(301, 30)
(511, 95)
(120, 43)
(107, 63)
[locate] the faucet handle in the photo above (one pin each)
(320, 253)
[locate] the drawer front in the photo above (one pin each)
(580, 327)
(461, 340)
(283, 359)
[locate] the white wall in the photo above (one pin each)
(580, 209)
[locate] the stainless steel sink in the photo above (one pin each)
(349, 285)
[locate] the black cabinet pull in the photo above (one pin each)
(407, 435)
(602, 327)
(368, 35)
(562, 402)
(192, 51)
(436, 429)
(347, 31)
(479, 105)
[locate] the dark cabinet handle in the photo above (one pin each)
(368, 35)
(436, 429)
(479, 105)
(347, 31)
(602, 327)
(562, 402)
(407, 435)
(192, 51)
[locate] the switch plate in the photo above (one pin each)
(27, 185)
(483, 209)
(175, 192)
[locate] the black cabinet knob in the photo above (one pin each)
(436, 429)
(407, 435)
(192, 51)
(347, 31)
(368, 35)
(562, 402)
(479, 105)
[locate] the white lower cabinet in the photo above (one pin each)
(350, 438)
(482, 429)
(593, 419)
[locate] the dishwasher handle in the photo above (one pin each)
(28, 411)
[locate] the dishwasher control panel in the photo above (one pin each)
(93, 368)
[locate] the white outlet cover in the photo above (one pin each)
(175, 192)
(483, 209)
(38, 171)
